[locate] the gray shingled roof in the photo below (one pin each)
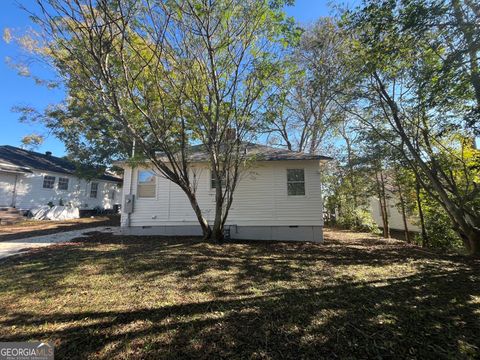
(8, 167)
(24, 160)
(259, 152)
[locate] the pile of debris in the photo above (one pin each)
(55, 213)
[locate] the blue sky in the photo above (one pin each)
(16, 90)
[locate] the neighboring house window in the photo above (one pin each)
(213, 181)
(296, 181)
(146, 184)
(63, 183)
(112, 194)
(93, 190)
(48, 182)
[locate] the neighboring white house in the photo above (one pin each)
(395, 218)
(29, 179)
(278, 198)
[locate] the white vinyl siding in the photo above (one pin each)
(7, 184)
(261, 198)
(31, 194)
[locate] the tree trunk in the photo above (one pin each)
(217, 231)
(420, 214)
(206, 230)
(472, 242)
(383, 204)
(382, 212)
(466, 224)
(351, 172)
(404, 214)
(386, 228)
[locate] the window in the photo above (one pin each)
(93, 190)
(213, 181)
(146, 184)
(48, 182)
(296, 181)
(111, 195)
(63, 183)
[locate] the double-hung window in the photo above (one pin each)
(63, 183)
(48, 182)
(296, 182)
(93, 189)
(146, 184)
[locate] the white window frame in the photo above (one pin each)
(96, 190)
(67, 182)
(51, 180)
(146, 184)
(304, 182)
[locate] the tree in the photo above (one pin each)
(395, 86)
(307, 100)
(31, 142)
(168, 75)
(456, 26)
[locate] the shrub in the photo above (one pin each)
(358, 219)
(439, 228)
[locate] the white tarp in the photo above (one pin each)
(55, 213)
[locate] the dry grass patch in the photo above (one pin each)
(30, 228)
(356, 296)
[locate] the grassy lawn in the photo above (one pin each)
(356, 296)
(29, 228)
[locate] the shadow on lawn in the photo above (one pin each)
(299, 309)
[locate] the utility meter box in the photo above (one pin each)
(128, 207)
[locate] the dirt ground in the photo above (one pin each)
(30, 228)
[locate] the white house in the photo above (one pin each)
(278, 198)
(29, 179)
(395, 218)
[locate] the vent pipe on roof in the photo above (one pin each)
(48, 153)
